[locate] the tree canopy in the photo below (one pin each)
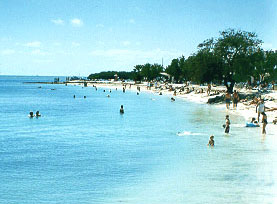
(233, 56)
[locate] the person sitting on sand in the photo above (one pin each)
(211, 141)
(235, 99)
(264, 121)
(275, 121)
(227, 124)
(228, 100)
(121, 109)
(253, 120)
(260, 108)
(38, 114)
(31, 114)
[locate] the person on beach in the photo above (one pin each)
(38, 114)
(121, 110)
(235, 99)
(260, 108)
(227, 124)
(209, 89)
(228, 100)
(211, 141)
(264, 121)
(253, 120)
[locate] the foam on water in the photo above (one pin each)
(185, 133)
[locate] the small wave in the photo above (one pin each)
(185, 133)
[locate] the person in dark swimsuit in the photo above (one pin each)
(121, 110)
(264, 121)
(227, 124)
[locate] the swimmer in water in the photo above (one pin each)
(121, 109)
(31, 114)
(172, 99)
(38, 114)
(211, 141)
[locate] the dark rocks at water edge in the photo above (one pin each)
(219, 99)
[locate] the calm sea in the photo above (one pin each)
(84, 151)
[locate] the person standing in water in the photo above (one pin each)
(264, 121)
(228, 100)
(227, 124)
(121, 109)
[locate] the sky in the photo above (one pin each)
(80, 37)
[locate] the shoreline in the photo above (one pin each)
(244, 110)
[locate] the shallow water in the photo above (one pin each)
(84, 151)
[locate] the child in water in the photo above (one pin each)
(211, 141)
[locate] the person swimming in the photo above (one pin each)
(38, 114)
(211, 141)
(121, 109)
(31, 114)
(172, 99)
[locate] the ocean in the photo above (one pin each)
(82, 150)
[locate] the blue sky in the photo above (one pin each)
(79, 37)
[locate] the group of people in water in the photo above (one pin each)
(31, 114)
(260, 110)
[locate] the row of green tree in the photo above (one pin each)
(234, 56)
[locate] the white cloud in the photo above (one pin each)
(33, 44)
(126, 43)
(75, 44)
(77, 22)
(99, 26)
(7, 52)
(132, 21)
(58, 21)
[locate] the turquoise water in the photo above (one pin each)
(84, 151)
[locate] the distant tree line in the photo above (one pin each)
(111, 75)
(234, 56)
